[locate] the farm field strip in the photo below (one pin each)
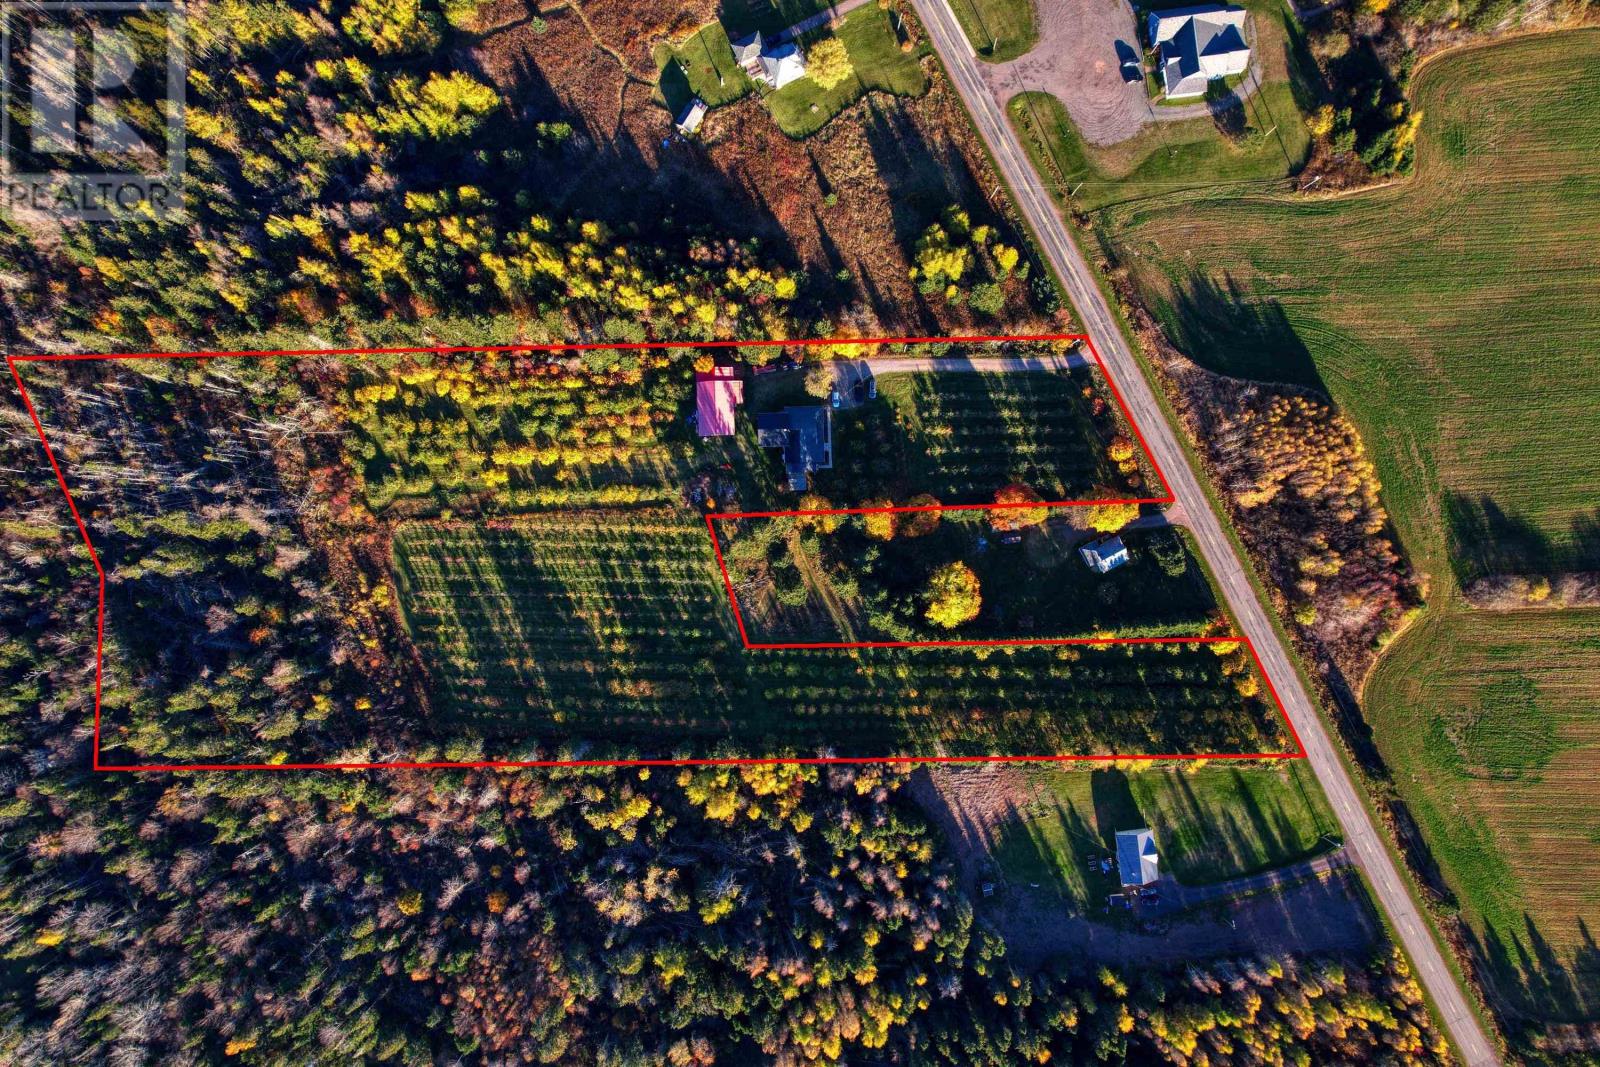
(961, 436)
(502, 665)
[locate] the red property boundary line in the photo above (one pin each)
(12, 360)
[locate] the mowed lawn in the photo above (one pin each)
(1211, 823)
(1454, 317)
(611, 631)
(998, 29)
(703, 65)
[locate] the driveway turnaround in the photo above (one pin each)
(1362, 837)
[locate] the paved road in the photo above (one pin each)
(1362, 836)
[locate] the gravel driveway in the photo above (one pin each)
(1083, 58)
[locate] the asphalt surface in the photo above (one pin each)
(1367, 849)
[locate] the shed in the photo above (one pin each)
(1137, 862)
(692, 115)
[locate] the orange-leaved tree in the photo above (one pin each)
(1016, 514)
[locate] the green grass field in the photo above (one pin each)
(703, 66)
(1492, 719)
(613, 628)
(998, 29)
(963, 436)
(802, 107)
(1211, 824)
(1453, 317)
(1177, 160)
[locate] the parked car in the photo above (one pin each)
(872, 388)
(834, 399)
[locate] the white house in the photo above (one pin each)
(1137, 862)
(775, 64)
(1106, 554)
(1197, 45)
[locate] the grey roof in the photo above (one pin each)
(1137, 862)
(1198, 44)
(747, 49)
(806, 436)
(783, 64)
(1104, 554)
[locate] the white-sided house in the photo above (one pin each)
(783, 64)
(1197, 45)
(1138, 864)
(690, 118)
(774, 64)
(1108, 553)
(747, 53)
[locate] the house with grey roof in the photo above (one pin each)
(805, 435)
(1197, 45)
(1108, 553)
(775, 63)
(1137, 862)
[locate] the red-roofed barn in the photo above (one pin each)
(717, 393)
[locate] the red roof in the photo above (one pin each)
(717, 393)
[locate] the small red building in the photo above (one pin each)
(717, 393)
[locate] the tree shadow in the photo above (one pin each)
(1486, 540)
(1531, 981)
(1227, 329)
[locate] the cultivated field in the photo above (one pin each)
(1211, 824)
(1492, 718)
(962, 436)
(611, 628)
(1453, 317)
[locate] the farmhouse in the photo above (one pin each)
(772, 64)
(690, 118)
(1197, 45)
(1108, 553)
(718, 392)
(805, 434)
(1137, 862)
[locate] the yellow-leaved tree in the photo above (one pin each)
(828, 63)
(953, 596)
